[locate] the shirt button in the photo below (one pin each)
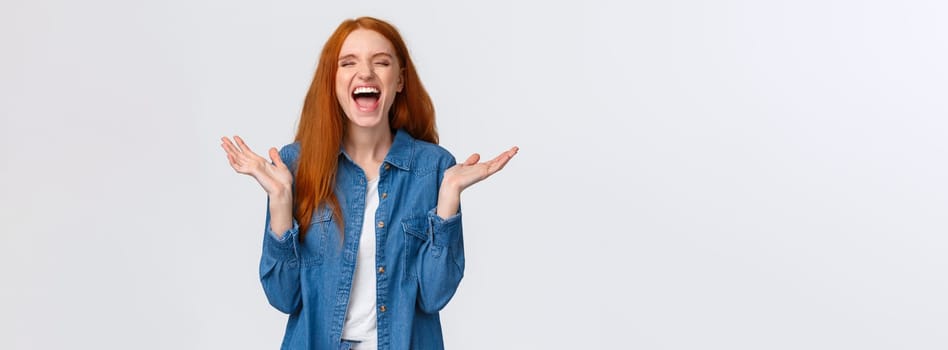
(382, 308)
(387, 166)
(384, 195)
(381, 224)
(381, 269)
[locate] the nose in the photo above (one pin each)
(365, 72)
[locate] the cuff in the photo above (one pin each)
(444, 231)
(283, 246)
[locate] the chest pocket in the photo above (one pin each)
(317, 237)
(415, 235)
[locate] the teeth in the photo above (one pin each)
(366, 90)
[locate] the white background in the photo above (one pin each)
(692, 174)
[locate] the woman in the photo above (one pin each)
(362, 244)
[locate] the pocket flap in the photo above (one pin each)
(416, 226)
(322, 214)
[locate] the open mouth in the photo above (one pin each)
(366, 98)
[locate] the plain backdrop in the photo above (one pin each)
(692, 174)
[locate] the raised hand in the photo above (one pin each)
(463, 175)
(470, 172)
(273, 175)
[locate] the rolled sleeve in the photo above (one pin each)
(444, 232)
(284, 247)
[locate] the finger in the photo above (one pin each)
(246, 153)
(513, 151)
(506, 154)
(499, 157)
(233, 162)
(472, 159)
(501, 160)
(497, 165)
(231, 155)
(509, 153)
(239, 158)
(243, 146)
(229, 146)
(275, 157)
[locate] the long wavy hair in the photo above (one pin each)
(323, 123)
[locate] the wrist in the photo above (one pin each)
(447, 191)
(449, 187)
(281, 196)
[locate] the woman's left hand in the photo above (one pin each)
(463, 175)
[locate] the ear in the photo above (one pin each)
(401, 80)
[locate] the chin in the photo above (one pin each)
(368, 121)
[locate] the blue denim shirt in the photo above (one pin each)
(419, 256)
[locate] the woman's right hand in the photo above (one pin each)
(274, 177)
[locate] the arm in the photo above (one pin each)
(279, 266)
(441, 263)
(442, 257)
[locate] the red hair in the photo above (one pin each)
(323, 123)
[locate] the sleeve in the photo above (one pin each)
(279, 265)
(441, 260)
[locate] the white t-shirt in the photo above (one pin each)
(361, 317)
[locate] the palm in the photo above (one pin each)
(272, 175)
(471, 172)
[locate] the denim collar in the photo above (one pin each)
(399, 155)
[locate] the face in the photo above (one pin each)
(367, 79)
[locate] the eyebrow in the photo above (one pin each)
(352, 56)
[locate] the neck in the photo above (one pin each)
(368, 147)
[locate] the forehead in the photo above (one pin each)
(365, 42)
